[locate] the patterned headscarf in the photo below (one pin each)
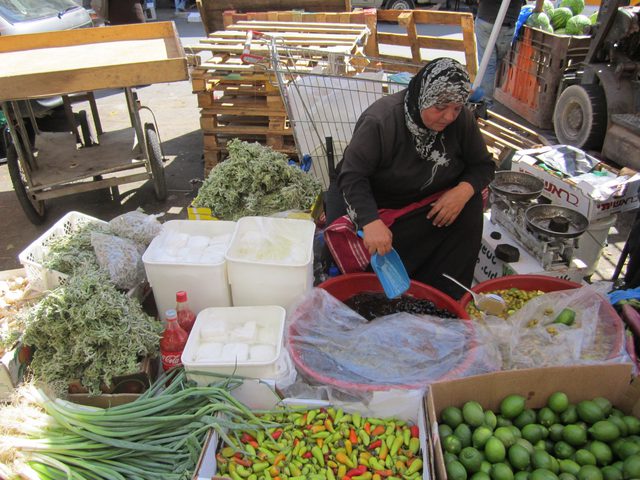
(443, 80)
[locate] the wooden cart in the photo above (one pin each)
(74, 64)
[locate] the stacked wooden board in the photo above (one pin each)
(242, 100)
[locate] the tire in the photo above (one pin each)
(400, 5)
(155, 162)
(33, 209)
(580, 117)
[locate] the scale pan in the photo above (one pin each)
(541, 217)
(518, 186)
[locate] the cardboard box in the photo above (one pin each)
(578, 195)
(488, 266)
(405, 405)
(578, 382)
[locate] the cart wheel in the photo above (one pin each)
(33, 209)
(155, 161)
(580, 116)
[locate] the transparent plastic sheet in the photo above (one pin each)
(529, 338)
(136, 226)
(121, 258)
(341, 349)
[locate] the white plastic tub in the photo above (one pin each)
(203, 278)
(254, 334)
(270, 260)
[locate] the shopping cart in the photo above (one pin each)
(324, 92)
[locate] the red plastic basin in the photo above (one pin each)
(344, 287)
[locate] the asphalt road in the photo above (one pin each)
(178, 119)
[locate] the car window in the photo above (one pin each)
(24, 10)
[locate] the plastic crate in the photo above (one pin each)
(529, 77)
(32, 257)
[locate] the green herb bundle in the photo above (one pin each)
(255, 180)
(88, 330)
(73, 252)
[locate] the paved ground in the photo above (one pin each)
(177, 116)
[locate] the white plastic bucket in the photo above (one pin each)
(593, 241)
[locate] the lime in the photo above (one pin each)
(542, 474)
(463, 432)
(444, 430)
(626, 448)
(569, 466)
(541, 459)
(471, 458)
(452, 416)
(481, 476)
(602, 452)
(485, 467)
(611, 473)
(589, 411)
(619, 422)
(515, 430)
(619, 465)
(589, 472)
(633, 424)
(473, 414)
(566, 317)
(525, 418)
(501, 471)
(631, 467)
(558, 402)
(547, 417)
(563, 450)
(449, 457)
(480, 436)
(566, 476)
(540, 445)
(456, 471)
(502, 421)
(574, 435)
(605, 431)
(526, 444)
(585, 457)
(604, 404)
(494, 450)
(555, 432)
(505, 435)
(533, 432)
(570, 415)
(519, 457)
(490, 419)
(521, 476)
(452, 444)
(512, 406)
(616, 412)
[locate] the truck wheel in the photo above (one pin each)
(155, 162)
(400, 5)
(33, 209)
(580, 117)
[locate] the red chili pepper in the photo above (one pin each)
(375, 444)
(379, 430)
(296, 441)
(253, 443)
(415, 431)
(276, 435)
(242, 461)
(353, 437)
(246, 438)
(220, 459)
(359, 470)
(307, 454)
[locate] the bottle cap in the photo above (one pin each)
(171, 313)
(181, 296)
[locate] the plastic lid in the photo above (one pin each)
(171, 313)
(181, 296)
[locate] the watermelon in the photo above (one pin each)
(593, 18)
(547, 7)
(560, 17)
(576, 6)
(578, 25)
(539, 20)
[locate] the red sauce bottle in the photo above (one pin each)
(186, 316)
(173, 341)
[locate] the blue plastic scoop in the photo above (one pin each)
(390, 271)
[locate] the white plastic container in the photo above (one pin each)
(270, 260)
(592, 242)
(215, 331)
(205, 281)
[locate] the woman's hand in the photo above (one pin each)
(446, 209)
(377, 237)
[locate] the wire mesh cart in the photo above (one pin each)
(70, 66)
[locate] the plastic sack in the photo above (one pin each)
(136, 226)
(332, 344)
(529, 338)
(525, 13)
(121, 258)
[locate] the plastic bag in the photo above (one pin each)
(136, 226)
(332, 344)
(530, 339)
(121, 258)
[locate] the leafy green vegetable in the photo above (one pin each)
(87, 330)
(255, 180)
(68, 253)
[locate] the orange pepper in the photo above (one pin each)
(278, 458)
(353, 437)
(379, 430)
(367, 428)
(320, 442)
(344, 459)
